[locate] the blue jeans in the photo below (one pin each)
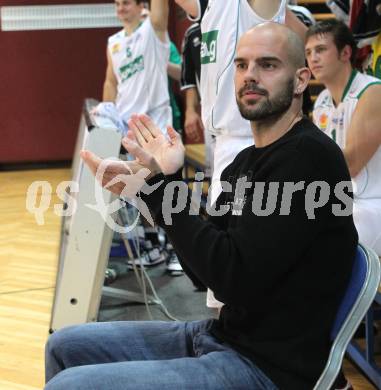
(146, 356)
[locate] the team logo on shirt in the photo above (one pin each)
(115, 48)
(323, 121)
(209, 47)
(133, 67)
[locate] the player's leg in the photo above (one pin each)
(210, 366)
(111, 342)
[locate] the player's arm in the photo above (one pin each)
(191, 7)
(174, 71)
(174, 64)
(294, 23)
(193, 124)
(111, 83)
(159, 18)
(364, 133)
(267, 9)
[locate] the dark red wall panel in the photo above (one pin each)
(44, 78)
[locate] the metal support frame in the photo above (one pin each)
(85, 237)
(364, 357)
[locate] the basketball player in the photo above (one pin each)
(348, 110)
(137, 59)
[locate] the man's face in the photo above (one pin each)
(323, 58)
(128, 10)
(264, 78)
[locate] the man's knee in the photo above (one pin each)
(59, 340)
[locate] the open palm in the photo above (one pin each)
(167, 152)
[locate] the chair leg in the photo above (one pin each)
(364, 358)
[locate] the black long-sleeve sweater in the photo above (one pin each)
(281, 277)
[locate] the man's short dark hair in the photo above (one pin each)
(342, 35)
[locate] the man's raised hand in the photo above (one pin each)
(168, 153)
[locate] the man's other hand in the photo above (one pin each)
(153, 147)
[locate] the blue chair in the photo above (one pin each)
(360, 293)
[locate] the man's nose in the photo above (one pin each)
(251, 74)
(313, 57)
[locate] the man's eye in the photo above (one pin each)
(268, 65)
(241, 66)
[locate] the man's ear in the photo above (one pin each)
(302, 77)
(346, 53)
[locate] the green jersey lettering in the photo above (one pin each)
(133, 67)
(209, 47)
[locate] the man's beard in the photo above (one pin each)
(268, 107)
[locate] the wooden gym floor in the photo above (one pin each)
(28, 262)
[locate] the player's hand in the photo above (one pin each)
(167, 152)
(123, 178)
(193, 126)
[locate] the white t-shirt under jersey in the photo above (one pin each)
(223, 23)
(140, 65)
(335, 121)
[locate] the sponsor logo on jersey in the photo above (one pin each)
(209, 47)
(133, 67)
(115, 48)
(323, 121)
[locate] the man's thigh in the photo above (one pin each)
(214, 371)
(120, 341)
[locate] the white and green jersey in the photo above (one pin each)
(139, 62)
(335, 121)
(222, 25)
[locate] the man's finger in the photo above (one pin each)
(137, 133)
(91, 160)
(150, 125)
(134, 149)
(130, 135)
(174, 136)
(144, 131)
